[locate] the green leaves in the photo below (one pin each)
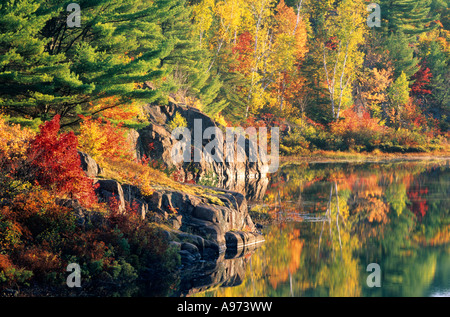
(399, 91)
(47, 68)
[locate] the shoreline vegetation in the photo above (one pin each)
(338, 156)
(137, 69)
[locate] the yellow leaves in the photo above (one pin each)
(103, 139)
(177, 122)
(202, 14)
(231, 14)
(13, 139)
(441, 237)
(91, 139)
(342, 58)
(114, 109)
(221, 120)
(374, 85)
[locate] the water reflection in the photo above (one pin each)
(332, 220)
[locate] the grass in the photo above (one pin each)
(149, 179)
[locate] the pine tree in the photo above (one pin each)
(188, 61)
(33, 80)
(401, 54)
(49, 68)
(317, 107)
(408, 16)
(439, 100)
(234, 84)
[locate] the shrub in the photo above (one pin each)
(10, 274)
(57, 165)
(178, 121)
(359, 132)
(101, 139)
(14, 142)
(294, 143)
(403, 140)
(39, 260)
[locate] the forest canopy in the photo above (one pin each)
(315, 66)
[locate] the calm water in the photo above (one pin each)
(331, 220)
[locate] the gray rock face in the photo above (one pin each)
(89, 165)
(109, 189)
(216, 223)
(156, 142)
(132, 194)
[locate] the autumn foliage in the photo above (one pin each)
(358, 129)
(101, 139)
(40, 235)
(57, 165)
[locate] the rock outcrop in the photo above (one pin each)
(221, 224)
(110, 191)
(202, 226)
(207, 225)
(89, 165)
(156, 142)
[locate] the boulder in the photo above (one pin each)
(156, 143)
(89, 165)
(83, 216)
(133, 139)
(212, 222)
(132, 194)
(109, 189)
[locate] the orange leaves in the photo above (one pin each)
(101, 139)
(115, 109)
(374, 85)
(39, 260)
(280, 272)
(417, 195)
(57, 165)
(31, 212)
(412, 116)
(421, 80)
(5, 262)
(354, 122)
(13, 147)
(289, 49)
(13, 140)
(28, 221)
(287, 22)
(244, 49)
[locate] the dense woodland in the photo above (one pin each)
(313, 67)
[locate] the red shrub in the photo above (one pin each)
(58, 164)
(39, 260)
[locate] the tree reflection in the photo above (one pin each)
(332, 220)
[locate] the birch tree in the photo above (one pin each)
(344, 33)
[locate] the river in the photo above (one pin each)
(347, 229)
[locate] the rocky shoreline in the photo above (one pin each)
(202, 228)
